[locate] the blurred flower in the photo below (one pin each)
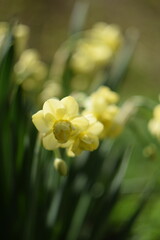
(88, 137)
(108, 34)
(30, 71)
(154, 123)
(21, 33)
(89, 56)
(96, 49)
(102, 104)
(59, 122)
(61, 166)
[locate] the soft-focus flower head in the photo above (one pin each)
(21, 34)
(30, 70)
(102, 104)
(96, 49)
(156, 112)
(154, 123)
(89, 56)
(108, 34)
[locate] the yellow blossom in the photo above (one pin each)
(108, 34)
(21, 34)
(102, 104)
(154, 123)
(156, 112)
(88, 137)
(90, 55)
(58, 122)
(30, 71)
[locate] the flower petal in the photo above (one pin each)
(90, 117)
(95, 128)
(80, 123)
(89, 142)
(71, 106)
(40, 122)
(50, 142)
(53, 107)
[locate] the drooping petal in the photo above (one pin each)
(89, 142)
(71, 106)
(53, 108)
(74, 149)
(40, 122)
(50, 142)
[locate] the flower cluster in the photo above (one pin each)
(61, 125)
(154, 123)
(97, 48)
(30, 71)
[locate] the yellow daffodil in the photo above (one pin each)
(89, 56)
(58, 122)
(30, 71)
(154, 123)
(88, 137)
(108, 34)
(102, 104)
(21, 34)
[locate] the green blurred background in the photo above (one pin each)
(49, 23)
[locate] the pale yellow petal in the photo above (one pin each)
(90, 117)
(80, 123)
(40, 122)
(53, 107)
(156, 112)
(71, 106)
(74, 149)
(50, 142)
(96, 128)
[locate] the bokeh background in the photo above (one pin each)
(49, 22)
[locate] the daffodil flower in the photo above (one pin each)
(154, 123)
(58, 122)
(88, 137)
(102, 104)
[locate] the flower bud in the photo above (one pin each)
(61, 166)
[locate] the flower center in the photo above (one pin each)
(62, 130)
